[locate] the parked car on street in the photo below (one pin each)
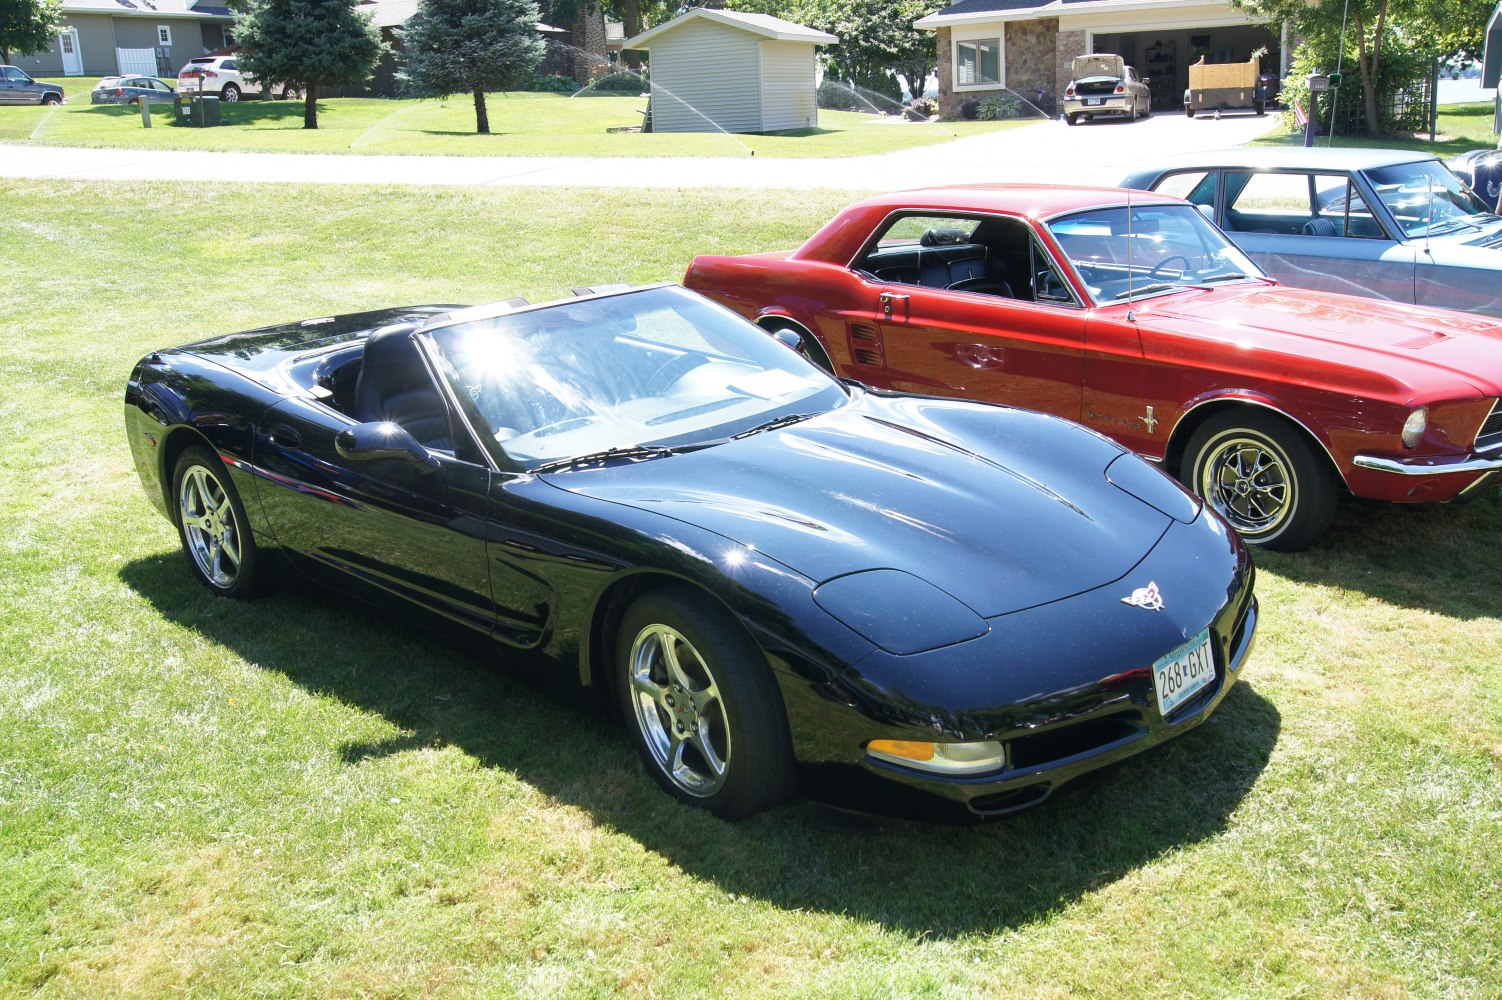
(936, 607)
(17, 87)
(217, 75)
(132, 90)
(1103, 85)
(1133, 314)
(1383, 223)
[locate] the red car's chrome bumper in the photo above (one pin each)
(1427, 478)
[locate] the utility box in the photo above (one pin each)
(197, 111)
(1225, 87)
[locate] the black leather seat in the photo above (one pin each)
(394, 385)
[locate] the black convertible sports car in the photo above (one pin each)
(926, 605)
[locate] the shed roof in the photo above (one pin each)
(764, 25)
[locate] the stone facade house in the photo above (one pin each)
(987, 47)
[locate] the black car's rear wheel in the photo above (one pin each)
(701, 704)
(212, 525)
(1263, 476)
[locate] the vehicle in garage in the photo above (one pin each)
(1388, 224)
(759, 565)
(1218, 87)
(1131, 313)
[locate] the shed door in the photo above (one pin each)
(67, 44)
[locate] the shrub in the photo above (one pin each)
(552, 83)
(1001, 107)
(621, 81)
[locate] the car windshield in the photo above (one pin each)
(1427, 199)
(1123, 254)
(656, 368)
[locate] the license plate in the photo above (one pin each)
(1185, 671)
(1094, 102)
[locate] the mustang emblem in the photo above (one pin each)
(1146, 597)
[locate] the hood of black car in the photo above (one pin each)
(1002, 509)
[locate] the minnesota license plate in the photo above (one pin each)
(1093, 102)
(1185, 671)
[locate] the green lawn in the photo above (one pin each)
(298, 797)
(1460, 128)
(522, 124)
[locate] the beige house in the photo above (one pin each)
(1026, 46)
(146, 37)
(716, 70)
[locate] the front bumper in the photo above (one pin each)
(1067, 687)
(1379, 477)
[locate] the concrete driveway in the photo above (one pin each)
(1049, 151)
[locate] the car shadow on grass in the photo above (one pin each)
(924, 880)
(1443, 558)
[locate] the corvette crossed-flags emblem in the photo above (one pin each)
(1146, 597)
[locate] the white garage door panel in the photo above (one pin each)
(136, 62)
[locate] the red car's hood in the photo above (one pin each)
(1345, 329)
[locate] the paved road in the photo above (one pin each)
(1049, 151)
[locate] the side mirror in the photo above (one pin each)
(383, 440)
(790, 339)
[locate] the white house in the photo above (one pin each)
(724, 70)
(146, 37)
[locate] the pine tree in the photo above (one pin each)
(310, 43)
(470, 46)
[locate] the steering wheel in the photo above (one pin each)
(1166, 261)
(672, 370)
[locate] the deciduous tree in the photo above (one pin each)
(28, 26)
(311, 43)
(469, 47)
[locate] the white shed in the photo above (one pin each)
(722, 69)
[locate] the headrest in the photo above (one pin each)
(943, 237)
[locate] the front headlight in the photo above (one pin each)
(941, 758)
(1413, 427)
(898, 612)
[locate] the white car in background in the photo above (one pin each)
(219, 75)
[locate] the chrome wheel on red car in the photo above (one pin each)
(1259, 474)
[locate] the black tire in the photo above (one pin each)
(1264, 476)
(712, 732)
(133, 102)
(1071, 118)
(211, 525)
(1260, 107)
(230, 94)
(1188, 111)
(52, 100)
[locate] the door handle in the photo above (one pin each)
(889, 304)
(285, 437)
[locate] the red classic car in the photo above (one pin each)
(1134, 315)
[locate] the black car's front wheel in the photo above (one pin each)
(701, 705)
(1263, 476)
(212, 525)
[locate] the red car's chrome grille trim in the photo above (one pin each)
(1490, 435)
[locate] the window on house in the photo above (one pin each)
(164, 35)
(977, 62)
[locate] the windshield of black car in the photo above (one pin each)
(1151, 250)
(1427, 199)
(653, 367)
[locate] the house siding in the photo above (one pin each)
(705, 70)
(99, 35)
(788, 95)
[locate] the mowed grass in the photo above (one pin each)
(522, 124)
(1459, 128)
(298, 796)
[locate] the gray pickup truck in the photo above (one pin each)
(17, 87)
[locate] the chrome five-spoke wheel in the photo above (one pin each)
(679, 710)
(212, 524)
(701, 704)
(1260, 473)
